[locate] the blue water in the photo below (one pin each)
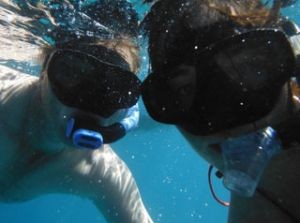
(172, 179)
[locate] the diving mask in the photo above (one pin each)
(81, 80)
(232, 83)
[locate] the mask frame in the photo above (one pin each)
(82, 81)
(158, 89)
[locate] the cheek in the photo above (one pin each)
(217, 156)
(208, 148)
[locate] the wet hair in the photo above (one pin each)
(110, 24)
(174, 25)
(126, 48)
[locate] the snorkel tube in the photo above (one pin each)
(245, 159)
(78, 78)
(85, 133)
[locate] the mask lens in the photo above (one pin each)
(240, 79)
(169, 98)
(82, 81)
(233, 82)
(71, 68)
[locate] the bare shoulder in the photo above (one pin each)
(13, 83)
(8, 74)
(103, 160)
(72, 168)
(16, 89)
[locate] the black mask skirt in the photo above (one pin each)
(232, 83)
(82, 81)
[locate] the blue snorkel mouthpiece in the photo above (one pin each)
(83, 138)
(87, 134)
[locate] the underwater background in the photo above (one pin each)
(171, 176)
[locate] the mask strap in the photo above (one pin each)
(132, 118)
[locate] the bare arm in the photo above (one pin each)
(112, 188)
(99, 175)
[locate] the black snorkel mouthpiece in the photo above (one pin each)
(85, 133)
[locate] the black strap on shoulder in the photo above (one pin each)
(271, 198)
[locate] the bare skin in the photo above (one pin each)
(37, 159)
(277, 197)
(171, 25)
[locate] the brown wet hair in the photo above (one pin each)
(245, 12)
(173, 25)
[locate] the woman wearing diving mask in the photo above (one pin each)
(225, 72)
(57, 128)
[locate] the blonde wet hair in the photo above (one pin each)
(26, 24)
(169, 21)
(125, 46)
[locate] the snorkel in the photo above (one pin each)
(85, 133)
(97, 81)
(245, 159)
(240, 95)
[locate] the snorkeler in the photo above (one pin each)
(56, 128)
(226, 73)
